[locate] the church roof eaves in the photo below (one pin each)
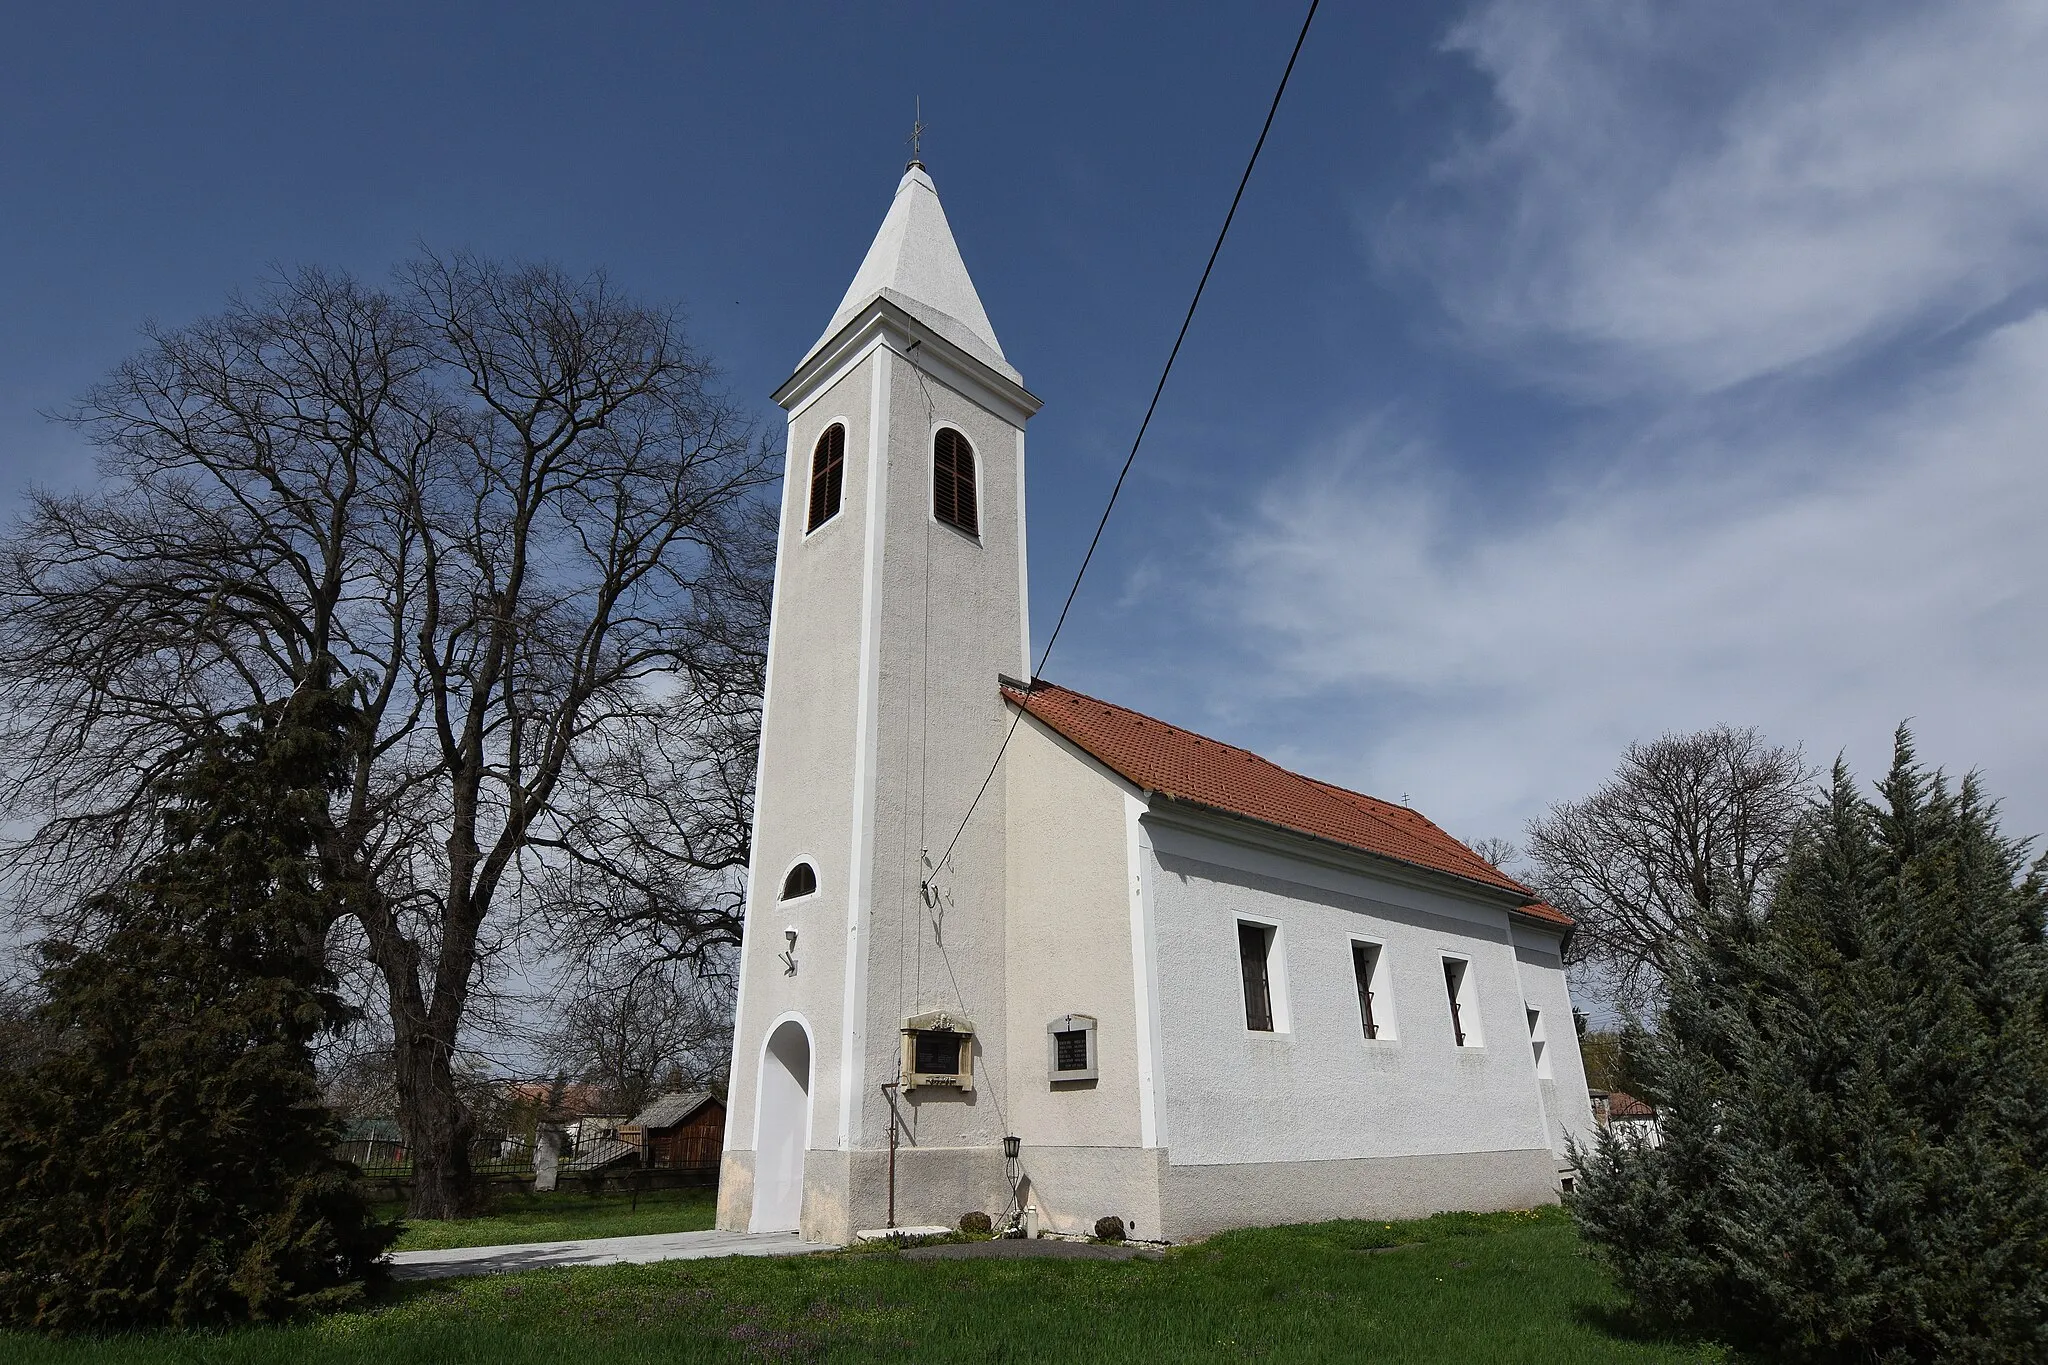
(1194, 770)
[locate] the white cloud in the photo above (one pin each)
(1856, 542)
(1681, 199)
(1688, 197)
(1505, 671)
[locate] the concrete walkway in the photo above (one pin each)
(661, 1246)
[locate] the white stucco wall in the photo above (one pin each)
(949, 625)
(1320, 1090)
(883, 716)
(1070, 949)
(1567, 1107)
(807, 788)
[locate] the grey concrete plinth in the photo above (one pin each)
(661, 1246)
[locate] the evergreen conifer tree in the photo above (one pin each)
(1853, 1098)
(168, 1161)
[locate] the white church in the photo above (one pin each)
(1157, 977)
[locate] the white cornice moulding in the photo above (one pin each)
(885, 322)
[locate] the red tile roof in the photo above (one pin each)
(1622, 1105)
(1188, 767)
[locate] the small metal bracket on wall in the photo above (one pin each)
(934, 899)
(788, 959)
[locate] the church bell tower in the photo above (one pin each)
(872, 961)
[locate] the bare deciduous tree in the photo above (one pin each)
(1689, 826)
(1497, 851)
(510, 507)
(630, 1028)
(1606, 1062)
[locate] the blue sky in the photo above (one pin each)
(1576, 371)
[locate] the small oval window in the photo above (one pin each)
(801, 881)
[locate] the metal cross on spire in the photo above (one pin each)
(917, 128)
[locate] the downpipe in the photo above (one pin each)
(887, 1088)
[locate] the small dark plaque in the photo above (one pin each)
(1072, 1049)
(938, 1054)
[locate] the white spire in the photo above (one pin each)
(915, 264)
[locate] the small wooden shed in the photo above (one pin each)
(372, 1143)
(680, 1131)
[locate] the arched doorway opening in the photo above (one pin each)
(783, 1129)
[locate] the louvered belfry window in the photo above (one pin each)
(828, 476)
(953, 498)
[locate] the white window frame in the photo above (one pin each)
(807, 896)
(1468, 1020)
(1276, 975)
(1383, 1011)
(1070, 1023)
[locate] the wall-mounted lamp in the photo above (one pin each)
(788, 959)
(1013, 1172)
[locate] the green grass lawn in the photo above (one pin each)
(561, 1217)
(1510, 1288)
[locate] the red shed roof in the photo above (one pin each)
(1189, 767)
(1622, 1105)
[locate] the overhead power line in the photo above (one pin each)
(1139, 439)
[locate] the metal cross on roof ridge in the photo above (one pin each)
(917, 131)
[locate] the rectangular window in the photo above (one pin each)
(1365, 965)
(1254, 952)
(938, 1054)
(938, 1049)
(1070, 1050)
(1458, 987)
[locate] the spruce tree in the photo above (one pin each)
(1853, 1095)
(168, 1161)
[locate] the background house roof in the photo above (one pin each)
(600, 1154)
(371, 1130)
(1189, 767)
(578, 1098)
(1622, 1105)
(666, 1111)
